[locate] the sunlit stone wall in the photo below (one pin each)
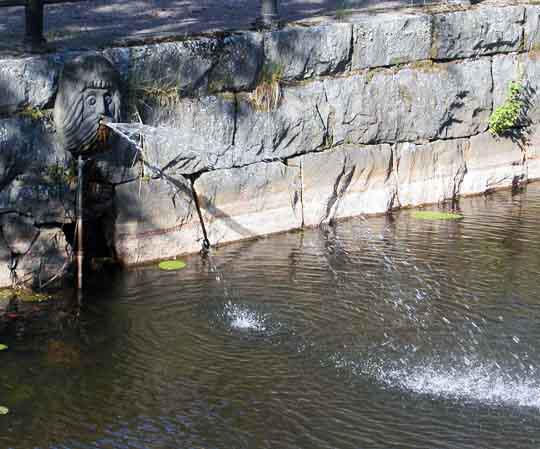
(369, 114)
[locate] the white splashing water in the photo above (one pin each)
(482, 383)
(242, 318)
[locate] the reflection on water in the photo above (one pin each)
(385, 332)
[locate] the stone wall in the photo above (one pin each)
(364, 115)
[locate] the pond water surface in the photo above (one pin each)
(387, 332)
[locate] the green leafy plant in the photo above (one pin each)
(506, 117)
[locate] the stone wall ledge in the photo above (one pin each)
(237, 61)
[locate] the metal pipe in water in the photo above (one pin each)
(79, 254)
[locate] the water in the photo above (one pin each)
(386, 332)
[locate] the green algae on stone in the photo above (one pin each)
(170, 265)
(32, 296)
(6, 293)
(435, 215)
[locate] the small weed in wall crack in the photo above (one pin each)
(508, 115)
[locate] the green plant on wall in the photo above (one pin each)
(506, 117)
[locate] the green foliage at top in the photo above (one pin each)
(434, 215)
(506, 116)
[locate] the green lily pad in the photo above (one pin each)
(170, 265)
(4, 410)
(3, 347)
(434, 215)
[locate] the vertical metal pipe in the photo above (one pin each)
(269, 13)
(34, 24)
(79, 254)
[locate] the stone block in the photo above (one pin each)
(49, 257)
(247, 202)
(46, 200)
(492, 163)
(18, 231)
(26, 146)
(532, 28)
(195, 66)
(389, 39)
(177, 65)
(192, 134)
(29, 82)
(237, 63)
(532, 154)
(294, 127)
(5, 268)
(523, 68)
(429, 173)
(478, 32)
(300, 53)
(345, 182)
(415, 103)
(156, 219)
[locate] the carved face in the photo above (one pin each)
(88, 95)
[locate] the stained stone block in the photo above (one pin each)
(156, 219)
(193, 134)
(299, 53)
(492, 163)
(29, 82)
(49, 257)
(523, 68)
(5, 264)
(421, 103)
(532, 154)
(47, 201)
(18, 231)
(429, 173)
(197, 66)
(532, 28)
(294, 127)
(477, 32)
(389, 39)
(251, 201)
(345, 182)
(237, 63)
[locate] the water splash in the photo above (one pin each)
(484, 383)
(241, 317)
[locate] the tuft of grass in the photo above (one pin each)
(435, 215)
(506, 117)
(267, 94)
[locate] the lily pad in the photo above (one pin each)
(435, 215)
(4, 410)
(170, 265)
(3, 347)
